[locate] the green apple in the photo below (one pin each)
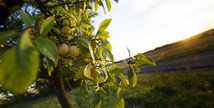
(62, 49)
(73, 51)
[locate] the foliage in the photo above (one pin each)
(185, 90)
(30, 49)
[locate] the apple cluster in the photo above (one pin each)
(63, 49)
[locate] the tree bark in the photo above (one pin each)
(60, 90)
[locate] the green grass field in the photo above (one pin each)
(173, 90)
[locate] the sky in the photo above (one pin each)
(143, 25)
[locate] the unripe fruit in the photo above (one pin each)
(95, 73)
(62, 49)
(65, 23)
(66, 30)
(73, 51)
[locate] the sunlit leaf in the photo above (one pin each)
(89, 46)
(87, 71)
(126, 82)
(97, 102)
(103, 25)
(116, 70)
(132, 76)
(48, 49)
(116, 100)
(104, 35)
(26, 18)
(67, 13)
(21, 64)
(108, 53)
(137, 69)
(47, 25)
(129, 52)
(108, 4)
(142, 59)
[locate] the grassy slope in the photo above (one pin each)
(184, 90)
(201, 42)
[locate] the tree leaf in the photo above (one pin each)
(104, 35)
(97, 102)
(103, 25)
(144, 59)
(116, 70)
(108, 4)
(89, 47)
(137, 69)
(19, 65)
(47, 25)
(4, 35)
(84, 88)
(80, 73)
(48, 49)
(108, 53)
(116, 100)
(126, 82)
(132, 76)
(83, 42)
(50, 65)
(67, 13)
(129, 53)
(26, 18)
(106, 44)
(87, 71)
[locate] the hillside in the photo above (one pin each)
(202, 42)
(198, 43)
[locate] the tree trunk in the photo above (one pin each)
(60, 90)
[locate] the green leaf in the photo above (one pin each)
(117, 80)
(132, 76)
(27, 18)
(84, 88)
(116, 100)
(89, 47)
(4, 35)
(124, 79)
(101, 4)
(108, 53)
(108, 4)
(83, 41)
(48, 49)
(87, 71)
(96, 6)
(47, 25)
(104, 35)
(103, 25)
(19, 65)
(137, 69)
(97, 102)
(129, 53)
(144, 59)
(106, 44)
(50, 65)
(116, 70)
(67, 13)
(80, 73)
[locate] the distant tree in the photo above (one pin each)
(55, 41)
